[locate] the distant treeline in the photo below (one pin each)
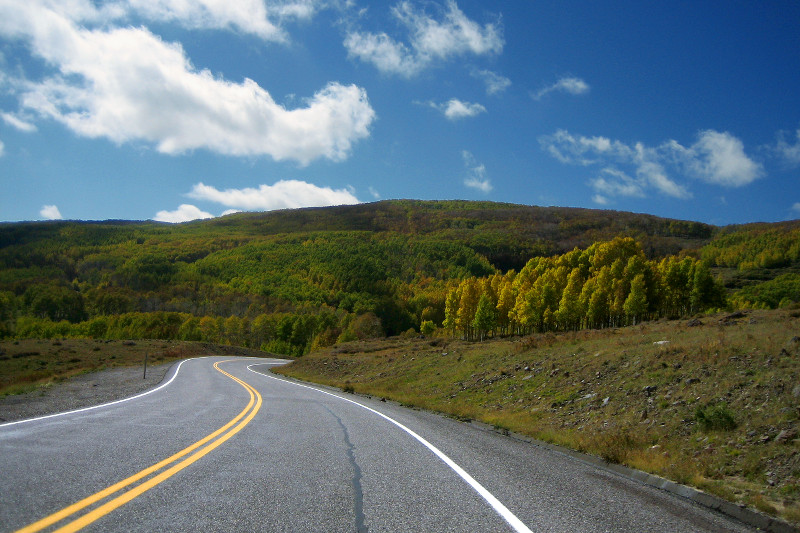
(291, 281)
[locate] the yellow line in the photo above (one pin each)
(106, 508)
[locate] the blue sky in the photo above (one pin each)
(174, 110)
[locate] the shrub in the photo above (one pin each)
(715, 417)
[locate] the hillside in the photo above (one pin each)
(291, 281)
(710, 403)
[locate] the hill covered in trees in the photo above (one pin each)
(291, 281)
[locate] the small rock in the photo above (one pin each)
(606, 400)
(661, 343)
(693, 323)
(691, 381)
(786, 436)
(648, 390)
(796, 391)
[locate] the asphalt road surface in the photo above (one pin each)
(224, 446)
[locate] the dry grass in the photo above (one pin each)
(620, 394)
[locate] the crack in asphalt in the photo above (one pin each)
(358, 494)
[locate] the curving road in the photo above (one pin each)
(225, 446)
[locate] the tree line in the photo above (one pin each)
(609, 284)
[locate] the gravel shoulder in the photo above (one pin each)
(82, 391)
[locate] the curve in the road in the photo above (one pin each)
(496, 504)
(107, 404)
(205, 445)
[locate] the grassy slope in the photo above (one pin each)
(617, 394)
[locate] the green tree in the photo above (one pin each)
(451, 309)
(636, 303)
(485, 316)
(570, 311)
(468, 305)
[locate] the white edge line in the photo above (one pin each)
(499, 508)
(151, 391)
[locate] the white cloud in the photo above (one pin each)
(719, 158)
(575, 86)
(127, 84)
(255, 17)
(613, 182)
(375, 194)
(2, 149)
(455, 109)
(716, 157)
(581, 150)
(50, 212)
(262, 18)
(386, 54)
(477, 174)
(18, 123)
(429, 40)
(600, 199)
(789, 153)
(495, 83)
(184, 213)
(282, 195)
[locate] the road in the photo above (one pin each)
(225, 446)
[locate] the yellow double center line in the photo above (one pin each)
(200, 448)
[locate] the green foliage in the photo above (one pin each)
(778, 292)
(485, 319)
(427, 327)
(756, 246)
(609, 284)
(715, 417)
(296, 280)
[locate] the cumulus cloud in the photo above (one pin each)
(477, 174)
(284, 194)
(796, 207)
(184, 213)
(374, 193)
(455, 109)
(429, 40)
(495, 83)
(716, 157)
(575, 86)
(2, 149)
(127, 84)
(50, 212)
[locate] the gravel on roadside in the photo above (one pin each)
(82, 391)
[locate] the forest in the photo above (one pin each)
(291, 281)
